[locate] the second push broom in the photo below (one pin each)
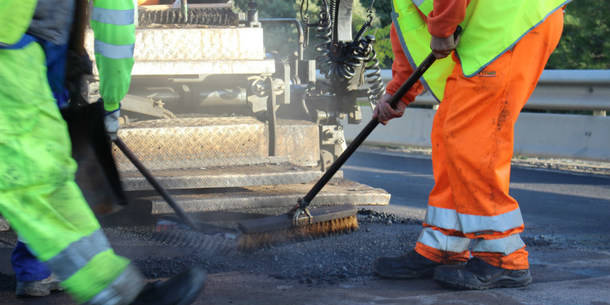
(300, 222)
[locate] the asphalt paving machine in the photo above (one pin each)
(227, 126)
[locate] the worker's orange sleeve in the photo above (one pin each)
(446, 16)
(401, 70)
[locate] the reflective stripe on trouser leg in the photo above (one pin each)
(123, 290)
(38, 195)
(449, 219)
(438, 240)
(505, 245)
(78, 254)
(442, 248)
(91, 269)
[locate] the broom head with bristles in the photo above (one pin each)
(267, 231)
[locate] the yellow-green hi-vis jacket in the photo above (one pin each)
(112, 22)
(490, 28)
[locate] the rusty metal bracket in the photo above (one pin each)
(272, 117)
(301, 215)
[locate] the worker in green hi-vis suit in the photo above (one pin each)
(38, 195)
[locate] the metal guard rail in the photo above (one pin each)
(558, 90)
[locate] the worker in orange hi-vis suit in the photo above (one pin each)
(470, 237)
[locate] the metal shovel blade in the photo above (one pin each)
(97, 174)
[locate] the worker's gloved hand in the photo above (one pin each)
(384, 111)
(442, 47)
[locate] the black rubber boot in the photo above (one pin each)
(409, 266)
(182, 289)
(477, 274)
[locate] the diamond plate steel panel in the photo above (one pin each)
(195, 44)
(179, 51)
(203, 67)
(194, 142)
(300, 141)
(275, 199)
(268, 174)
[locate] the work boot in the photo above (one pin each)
(477, 274)
(409, 266)
(182, 289)
(38, 288)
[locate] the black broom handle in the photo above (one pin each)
(419, 71)
(149, 177)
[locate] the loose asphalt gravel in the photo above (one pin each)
(316, 261)
(330, 260)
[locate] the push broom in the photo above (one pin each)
(300, 222)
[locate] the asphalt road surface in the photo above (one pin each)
(562, 202)
(567, 220)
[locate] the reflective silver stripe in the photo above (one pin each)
(78, 254)
(113, 51)
(123, 290)
(442, 218)
(506, 245)
(451, 220)
(418, 2)
(116, 17)
(438, 240)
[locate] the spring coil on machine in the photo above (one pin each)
(351, 56)
(204, 16)
(337, 67)
(324, 33)
(346, 69)
(373, 73)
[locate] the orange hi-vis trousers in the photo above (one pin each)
(469, 208)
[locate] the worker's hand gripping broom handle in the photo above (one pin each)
(149, 177)
(394, 100)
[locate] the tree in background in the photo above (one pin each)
(584, 44)
(270, 8)
(283, 38)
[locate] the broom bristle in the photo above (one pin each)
(251, 241)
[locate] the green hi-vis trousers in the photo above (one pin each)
(38, 195)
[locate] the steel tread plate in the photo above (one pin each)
(217, 177)
(273, 199)
(183, 67)
(194, 44)
(204, 142)
(194, 122)
(186, 50)
(194, 142)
